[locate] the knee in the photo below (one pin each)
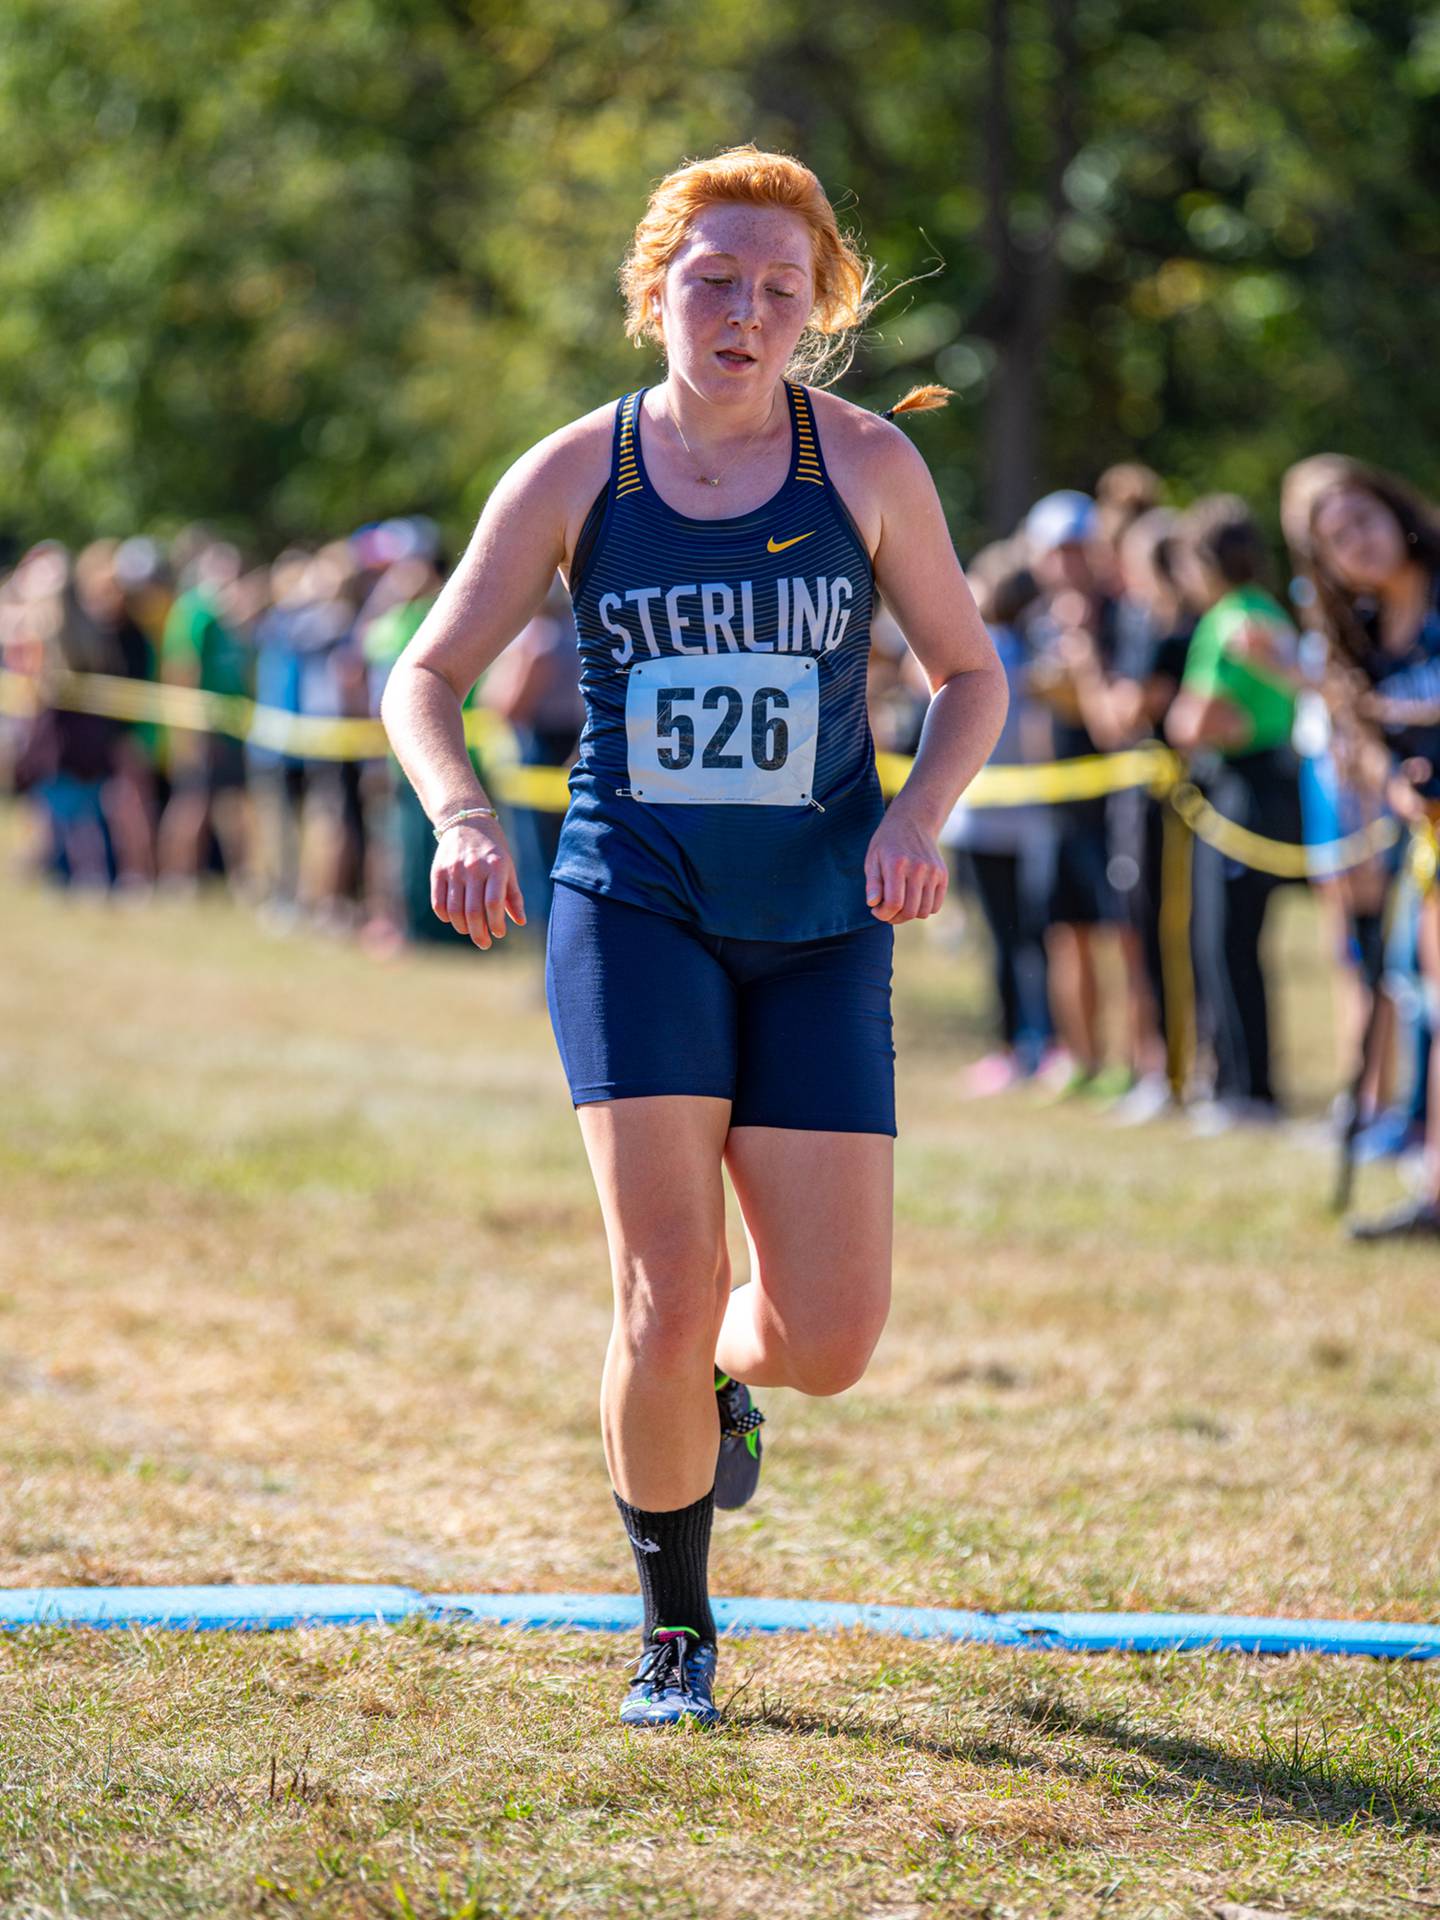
(833, 1362)
(667, 1322)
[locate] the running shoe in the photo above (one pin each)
(1069, 1085)
(675, 1680)
(1387, 1137)
(737, 1468)
(1110, 1084)
(1210, 1118)
(1412, 1220)
(1146, 1101)
(994, 1074)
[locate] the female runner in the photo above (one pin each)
(728, 878)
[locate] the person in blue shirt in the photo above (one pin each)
(728, 878)
(1007, 853)
(1073, 622)
(277, 778)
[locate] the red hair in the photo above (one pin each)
(751, 178)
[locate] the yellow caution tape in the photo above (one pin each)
(1284, 858)
(188, 709)
(547, 789)
(1424, 855)
(325, 737)
(1089, 778)
(1177, 969)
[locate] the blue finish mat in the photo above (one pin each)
(257, 1608)
(252, 1607)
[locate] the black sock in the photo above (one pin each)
(672, 1558)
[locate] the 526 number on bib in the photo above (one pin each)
(723, 729)
(769, 731)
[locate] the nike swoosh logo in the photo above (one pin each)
(772, 545)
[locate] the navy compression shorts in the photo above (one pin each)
(794, 1033)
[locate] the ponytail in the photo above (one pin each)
(920, 400)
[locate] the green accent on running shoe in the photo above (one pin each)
(721, 1380)
(1110, 1083)
(690, 1630)
(752, 1443)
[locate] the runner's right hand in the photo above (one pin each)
(473, 883)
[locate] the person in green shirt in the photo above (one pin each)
(1239, 669)
(202, 647)
(1232, 719)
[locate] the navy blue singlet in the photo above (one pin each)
(726, 773)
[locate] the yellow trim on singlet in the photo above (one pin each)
(807, 455)
(627, 473)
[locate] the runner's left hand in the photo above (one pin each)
(905, 872)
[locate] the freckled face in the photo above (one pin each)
(1358, 538)
(736, 298)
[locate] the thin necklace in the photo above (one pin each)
(705, 479)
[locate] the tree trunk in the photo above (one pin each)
(1027, 281)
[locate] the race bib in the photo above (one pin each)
(726, 729)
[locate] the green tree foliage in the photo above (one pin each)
(296, 265)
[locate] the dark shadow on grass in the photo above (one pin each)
(766, 1713)
(1310, 1785)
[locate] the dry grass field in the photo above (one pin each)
(301, 1278)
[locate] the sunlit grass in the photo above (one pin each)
(301, 1277)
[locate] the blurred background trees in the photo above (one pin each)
(296, 266)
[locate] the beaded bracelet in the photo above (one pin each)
(470, 813)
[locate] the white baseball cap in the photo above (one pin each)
(1058, 520)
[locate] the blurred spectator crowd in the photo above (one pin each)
(1308, 712)
(137, 806)
(1304, 714)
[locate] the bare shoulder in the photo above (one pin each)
(568, 467)
(875, 464)
(855, 433)
(542, 498)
